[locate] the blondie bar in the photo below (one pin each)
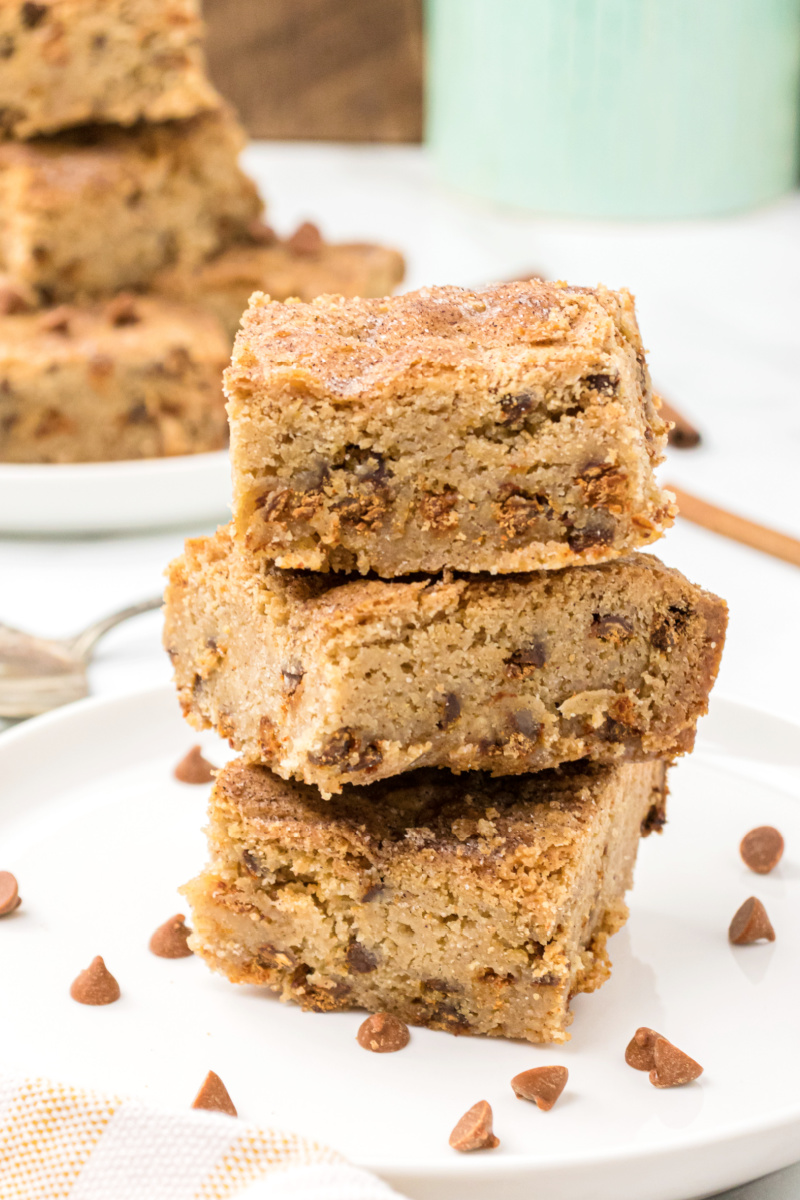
(226, 283)
(76, 62)
(339, 682)
(99, 209)
(132, 378)
(460, 902)
(499, 430)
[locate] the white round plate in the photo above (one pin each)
(100, 835)
(144, 493)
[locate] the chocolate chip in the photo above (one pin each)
(372, 892)
(335, 751)
(383, 1034)
(368, 759)
(762, 849)
(515, 408)
(360, 960)
(543, 1085)
(750, 924)
(32, 15)
(170, 939)
(583, 539)
(522, 721)
(193, 768)
(668, 629)
(96, 985)
(9, 893)
(611, 627)
(655, 820)
(213, 1096)
(527, 659)
(251, 864)
(272, 956)
(640, 1053)
(306, 239)
(122, 310)
(474, 1130)
(672, 1067)
(450, 708)
(258, 231)
(12, 301)
(7, 46)
(291, 677)
(57, 320)
(138, 415)
(605, 384)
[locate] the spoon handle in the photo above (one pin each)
(83, 643)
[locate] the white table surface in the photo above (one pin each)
(719, 307)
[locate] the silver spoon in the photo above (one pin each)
(37, 674)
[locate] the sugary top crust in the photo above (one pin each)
(318, 597)
(137, 329)
(92, 155)
(353, 348)
(428, 808)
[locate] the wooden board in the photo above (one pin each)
(345, 70)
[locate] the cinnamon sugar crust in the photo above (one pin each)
(465, 903)
(497, 430)
(340, 682)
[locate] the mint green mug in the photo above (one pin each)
(616, 108)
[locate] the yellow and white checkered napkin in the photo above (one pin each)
(59, 1141)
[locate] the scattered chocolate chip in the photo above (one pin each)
(56, 320)
(543, 1085)
(371, 893)
(122, 310)
(260, 232)
(96, 985)
(306, 239)
(360, 960)
(515, 408)
(640, 1051)
(383, 1034)
(336, 750)
(251, 864)
(474, 1130)
(271, 956)
(170, 939)
(291, 676)
(9, 893)
(194, 768)
(523, 723)
(213, 1096)
(672, 1067)
(611, 627)
(655, 819)
(527, 659)
(31, 14)
(666, 632)
(762, 849)
(605, 384)
(12, 301)
(583, 539)
(138, 415)
(750, 924)
(450, 708)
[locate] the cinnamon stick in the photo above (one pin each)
(739, 529)
(683, 435)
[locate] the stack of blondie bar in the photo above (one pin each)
(454, 683)
(119, 175)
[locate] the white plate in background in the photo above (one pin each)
(100, 835)
(114, 497)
